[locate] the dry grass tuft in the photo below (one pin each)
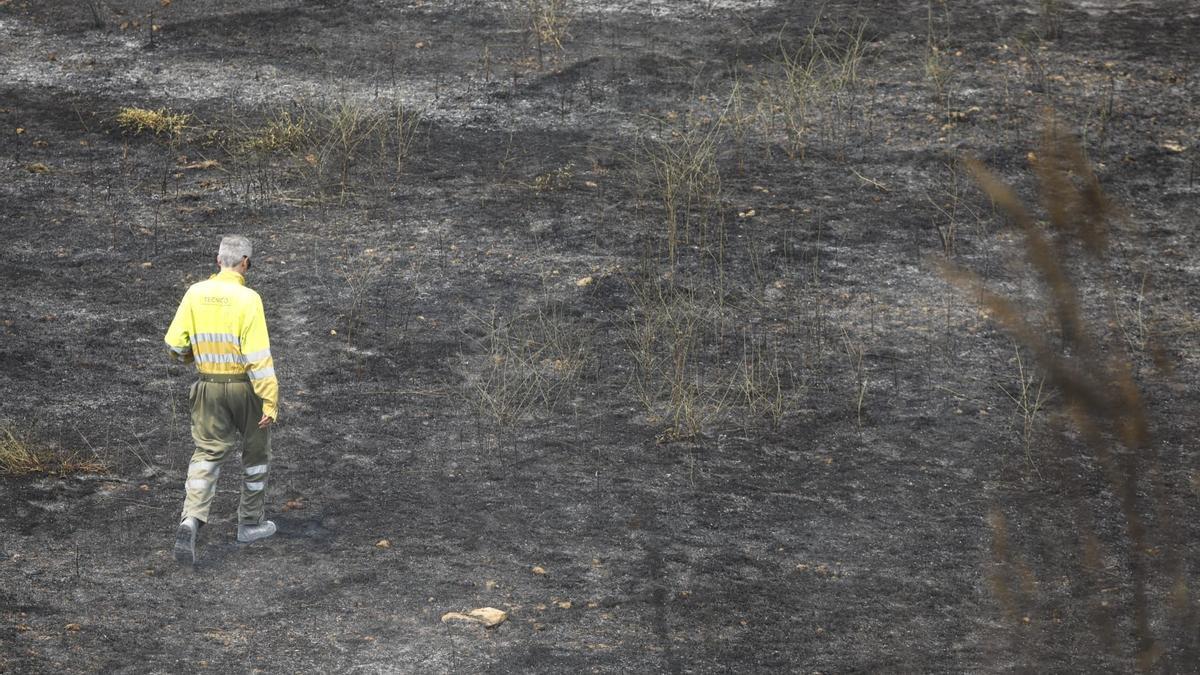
(677, 168)
(810, 86)
(545, 24)
(678, 339)
(22, 456)
(532, 363)
(17, 457)
(667, 334)
(549, 21)
(281, 132)
(335, 142)
(161, 121)
(558, 179)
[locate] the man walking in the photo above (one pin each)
(220, 326)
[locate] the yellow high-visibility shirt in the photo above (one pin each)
(220, 325)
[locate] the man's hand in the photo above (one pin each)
(265, 422)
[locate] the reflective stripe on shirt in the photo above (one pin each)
(220, 358)
(261, 374)
(258, 355)
(217, 337)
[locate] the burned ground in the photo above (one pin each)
(776, 439)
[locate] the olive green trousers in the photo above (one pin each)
(224, 409)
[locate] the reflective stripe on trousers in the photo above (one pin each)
(224, 413)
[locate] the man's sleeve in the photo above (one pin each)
(179, 335)
(256, 349)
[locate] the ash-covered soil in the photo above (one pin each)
(476, 337)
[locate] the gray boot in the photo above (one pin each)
(185, 541)
(249, 533)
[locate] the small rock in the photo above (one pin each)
(488, 616)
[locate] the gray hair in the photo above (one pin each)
(233, 248)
